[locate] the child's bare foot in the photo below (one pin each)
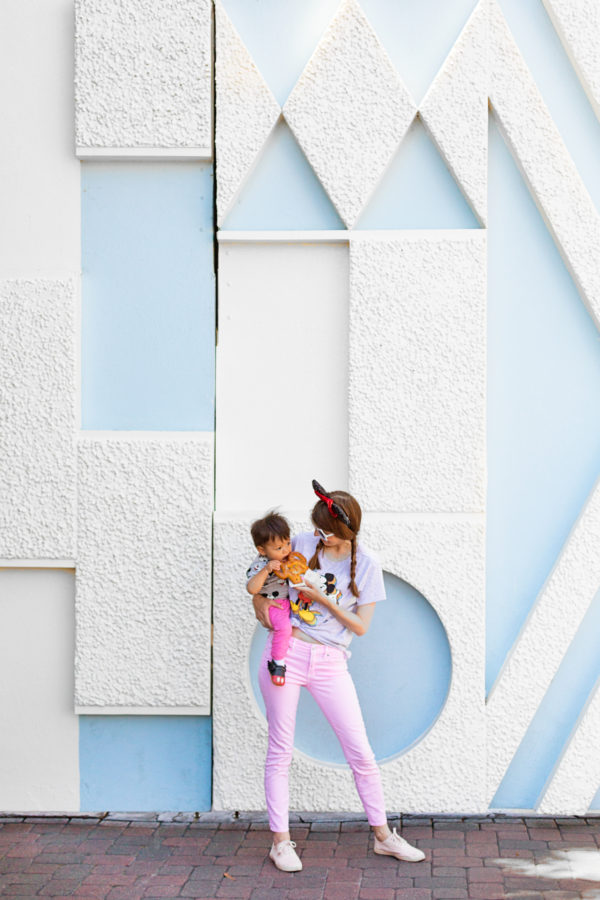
(277, 671)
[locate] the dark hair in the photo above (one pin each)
(322, 518)
(270, 527)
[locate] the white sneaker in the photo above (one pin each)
(285, 857)
(394, 845)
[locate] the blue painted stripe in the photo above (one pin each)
(543, 426)
(145, 763)
(555, 718)
(559, 86)
(148, 296)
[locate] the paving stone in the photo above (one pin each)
(486, 892)
(413, 894)
(484, 874)
(449, 894)
(302, 894)
(447, 882)
(377, 894)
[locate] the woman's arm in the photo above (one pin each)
(358, 622)
(257, 581)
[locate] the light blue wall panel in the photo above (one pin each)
(405, 649)
(555, 718)
(142, 763)
(418, 35)
(281, 36)
(417, 190)
(543, 389)
(559, 85)
(282, 191)
(148, 296)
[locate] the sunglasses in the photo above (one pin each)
(325, 535)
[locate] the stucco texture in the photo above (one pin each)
(143, 74)
(246, 112)
(37, 418)
(417, 372)
(143, 572)
(349, 110)
(455, 110)
(540, 153)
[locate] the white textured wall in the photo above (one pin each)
(37, 414)
(143, 75)
(349, 110)
(417, 371)
(143, 573)
(39, 762)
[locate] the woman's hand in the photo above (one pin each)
(315, 595)
(261, 609)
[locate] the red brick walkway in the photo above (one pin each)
(217, 856)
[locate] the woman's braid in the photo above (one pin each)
(353, 586)
(314, 560)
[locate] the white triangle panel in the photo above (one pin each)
(246, 111)
(455, 110)
(349, 111)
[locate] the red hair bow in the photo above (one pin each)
(334, 510)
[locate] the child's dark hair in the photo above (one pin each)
(269, 527)
(322, 518)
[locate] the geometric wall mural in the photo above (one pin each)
(399, 205)
(452, 115)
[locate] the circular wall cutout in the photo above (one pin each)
(401, 669)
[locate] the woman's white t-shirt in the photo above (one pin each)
(335, 582)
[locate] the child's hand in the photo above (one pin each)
(274, 565)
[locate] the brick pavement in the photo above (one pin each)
(113, 857)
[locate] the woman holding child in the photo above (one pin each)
(341, 604)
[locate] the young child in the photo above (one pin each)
(271, 536)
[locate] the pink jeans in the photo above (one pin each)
(324, 672)
(282, 628)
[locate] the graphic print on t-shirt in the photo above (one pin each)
(327, 585)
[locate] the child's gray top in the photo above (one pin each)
(275, 588)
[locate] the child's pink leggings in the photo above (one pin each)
(282, 628)
(324, 672)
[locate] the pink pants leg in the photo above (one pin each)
(323, 671)
(282, 629)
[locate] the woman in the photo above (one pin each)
(351, 585)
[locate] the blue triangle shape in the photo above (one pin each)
(281, 36)
(282, 191)
(417, 190)
(417, 47)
